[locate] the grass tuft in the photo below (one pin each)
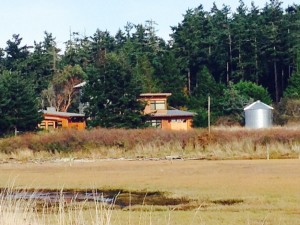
(221, 143)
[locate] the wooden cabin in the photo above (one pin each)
(163, 116)
(57, 120)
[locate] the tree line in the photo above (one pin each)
(235, 57)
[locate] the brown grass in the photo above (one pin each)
(29, 211)
(221, 143)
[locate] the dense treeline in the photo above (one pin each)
(236, 57)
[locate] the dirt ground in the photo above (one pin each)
(262, 188)
(192, 177)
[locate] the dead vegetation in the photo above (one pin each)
(221, 143)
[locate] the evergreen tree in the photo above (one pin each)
(192, 44)
(112, 94)
(42, 63)
(144, 71)
(206, 86)
(292, 18)
(233, 103)
(2, 60)
(272, 42)
(221, 54)
(100, 44)
(143, 49)
(293, 88)
(17, 55)
(171, 80)
(78, 51)
(253, 91)
(18, 104)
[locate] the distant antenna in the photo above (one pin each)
(70, 30)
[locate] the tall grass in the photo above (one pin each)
(153, 143)
(16, 210)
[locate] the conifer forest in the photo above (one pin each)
(234, 56)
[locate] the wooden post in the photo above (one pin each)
(268, 152)
(208, 114)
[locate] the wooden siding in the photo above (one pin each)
(58, 122)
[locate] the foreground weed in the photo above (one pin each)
(17, 208)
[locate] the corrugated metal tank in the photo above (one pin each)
(258, 115)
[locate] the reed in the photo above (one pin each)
(16, 210)
(220, 143)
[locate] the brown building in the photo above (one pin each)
(55, 120)
(163, 116)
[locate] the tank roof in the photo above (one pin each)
(258, 105)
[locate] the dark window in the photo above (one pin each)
(155, 123)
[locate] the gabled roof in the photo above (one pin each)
(62, 114)
(258, 105)
(174, 113)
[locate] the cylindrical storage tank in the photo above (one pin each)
(258, 115)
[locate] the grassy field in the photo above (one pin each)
(223, 192)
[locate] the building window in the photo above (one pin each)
(178, 121)
(58, 124)
(43, 125)
(155, 105)
(155, 123)
(51, 125)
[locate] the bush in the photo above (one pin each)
(154, 143)
(287, 111)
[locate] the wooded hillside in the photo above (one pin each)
(236, 57)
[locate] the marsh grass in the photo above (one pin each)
(15, 209)
(29, 211)
(221, 143)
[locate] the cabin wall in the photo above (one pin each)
(57, 122)
(179, 123)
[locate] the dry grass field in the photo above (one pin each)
(223, 192)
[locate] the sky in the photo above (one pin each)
(30, 18)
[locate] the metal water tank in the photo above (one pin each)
(258, 115)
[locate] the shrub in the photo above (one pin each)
(153, 142)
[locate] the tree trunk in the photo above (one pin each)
(230, 51)
(189, 81)
(256, 62)
(276, 82)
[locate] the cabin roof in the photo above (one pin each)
(62, 114)
(155, 94)
(174, 113)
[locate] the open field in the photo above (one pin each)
(224, 192)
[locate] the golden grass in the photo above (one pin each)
(221, 143)
(265, 191)
(29, 211)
